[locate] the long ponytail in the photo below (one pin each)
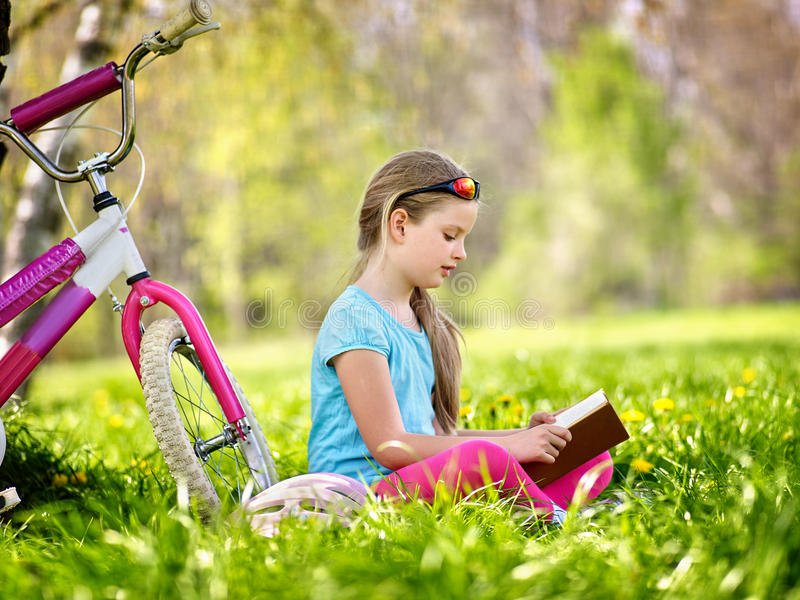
(444, 336)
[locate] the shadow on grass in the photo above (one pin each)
(56, 473)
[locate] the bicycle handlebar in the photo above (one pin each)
(197, 13)
(65, 98)
(34, 113)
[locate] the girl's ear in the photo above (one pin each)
(397, 225)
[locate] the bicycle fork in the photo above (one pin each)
(146, 293)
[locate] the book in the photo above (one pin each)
(595, 428)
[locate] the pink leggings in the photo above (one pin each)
(476, 463)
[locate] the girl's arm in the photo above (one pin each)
(367, 386)
(540, 417)
(485, 432)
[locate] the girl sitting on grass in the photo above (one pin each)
(386, 369)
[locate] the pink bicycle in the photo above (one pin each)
(203, 423)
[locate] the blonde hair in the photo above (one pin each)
(405, 172)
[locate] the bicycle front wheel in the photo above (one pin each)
(202, 450)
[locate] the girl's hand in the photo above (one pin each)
(540, 417)
(539, 444)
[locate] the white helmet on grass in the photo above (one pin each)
(317, 495)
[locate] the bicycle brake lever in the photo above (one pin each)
(153, 42)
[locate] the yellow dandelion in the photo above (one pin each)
(60, 480)
(641, 465)
(686, 418)
(76, 478)
(465, 411)
(141, 464)
(465, 394)
(116, 421)
(632, 415)
(787, 436)
(748, 374)
(664, 404)
(739, 391)
(710, 403)
(518, 410)
(505, 399)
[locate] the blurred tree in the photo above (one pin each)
(610, 220)
(37, 218)
(5, 22)
(733, 68)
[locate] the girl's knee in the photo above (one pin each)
(606, 467)
(484, 457)
(476, 449)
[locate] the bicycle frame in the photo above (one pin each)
(109, 251)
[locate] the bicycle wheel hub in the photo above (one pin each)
(204, 448)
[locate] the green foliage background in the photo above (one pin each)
(602, 190)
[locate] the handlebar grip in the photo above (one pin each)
(197, 13)
(67, 97)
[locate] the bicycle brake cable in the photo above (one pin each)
(117, 306)
(73, 125)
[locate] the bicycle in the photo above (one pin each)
(205, 428)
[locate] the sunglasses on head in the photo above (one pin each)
(463, 187)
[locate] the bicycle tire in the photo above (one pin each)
(184, 416)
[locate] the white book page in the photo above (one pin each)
(581, 409)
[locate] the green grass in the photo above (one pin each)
(99, 517)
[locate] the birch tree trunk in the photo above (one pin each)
(5, 23)
(37, 218)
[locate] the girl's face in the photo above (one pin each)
(427, 251)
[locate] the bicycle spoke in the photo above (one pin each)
(197, 405)
(195, 418)
(188, 383)
(202, 407)
(218, 474)
(203, 381)
(182, 406)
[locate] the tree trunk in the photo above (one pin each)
(5, 23)
(38, 218)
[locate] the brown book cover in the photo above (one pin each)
(597, 429)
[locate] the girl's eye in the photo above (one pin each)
(449, 238)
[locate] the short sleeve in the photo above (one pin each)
(351, 326)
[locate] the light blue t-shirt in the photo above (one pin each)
(356, 320)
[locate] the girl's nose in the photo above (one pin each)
(460, 252)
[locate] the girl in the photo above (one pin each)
(386, 368)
